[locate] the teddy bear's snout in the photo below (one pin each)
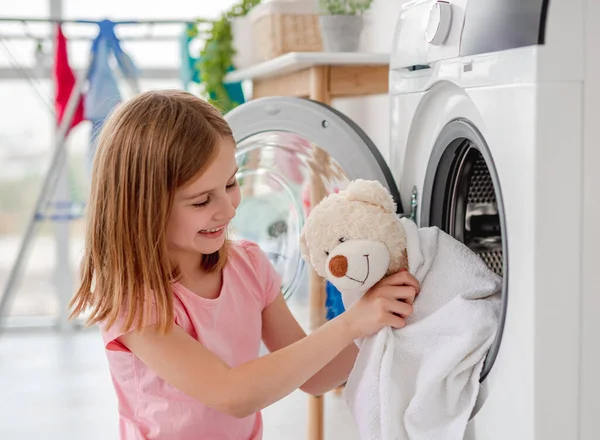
(356, 264)
(338, 266)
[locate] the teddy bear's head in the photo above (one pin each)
(354, 238)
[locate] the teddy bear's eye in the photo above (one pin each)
(342, 239)
(326, 253)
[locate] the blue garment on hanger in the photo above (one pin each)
(103, 93)
(124, 61)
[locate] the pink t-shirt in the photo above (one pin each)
(230, 326)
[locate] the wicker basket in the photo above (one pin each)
(281, 27)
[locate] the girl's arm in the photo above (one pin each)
(280, 329)
(241, 391)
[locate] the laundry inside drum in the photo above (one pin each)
(465, 201)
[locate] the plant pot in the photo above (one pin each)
(341, 33)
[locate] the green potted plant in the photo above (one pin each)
(216, 58)
(342, 23)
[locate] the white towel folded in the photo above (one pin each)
(421, 382)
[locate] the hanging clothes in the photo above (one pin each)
(64, 81)
(104, 94)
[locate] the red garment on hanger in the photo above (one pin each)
(64, 81)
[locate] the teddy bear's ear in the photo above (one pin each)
(370, 191)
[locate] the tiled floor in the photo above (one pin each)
(56, 386)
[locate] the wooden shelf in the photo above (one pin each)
(345, 74)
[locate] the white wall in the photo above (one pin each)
(372, 112)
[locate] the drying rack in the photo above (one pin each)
(54, 183)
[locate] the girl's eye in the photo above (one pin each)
(228, 186)
(201, 204)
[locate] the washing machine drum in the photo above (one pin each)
(462, 196)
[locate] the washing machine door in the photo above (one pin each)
(291, 152)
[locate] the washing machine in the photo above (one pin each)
(494, 126)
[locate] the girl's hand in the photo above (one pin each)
(389, 302)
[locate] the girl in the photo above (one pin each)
(182, 310)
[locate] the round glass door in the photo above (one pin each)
(293, 152)
(278, 173)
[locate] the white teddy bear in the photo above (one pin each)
(354, 238)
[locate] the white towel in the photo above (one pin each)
(421, 382)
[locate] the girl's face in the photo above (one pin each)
(203, 209)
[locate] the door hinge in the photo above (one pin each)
(414, 202)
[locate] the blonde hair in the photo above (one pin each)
(149, 146)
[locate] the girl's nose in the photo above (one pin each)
(227, 210)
